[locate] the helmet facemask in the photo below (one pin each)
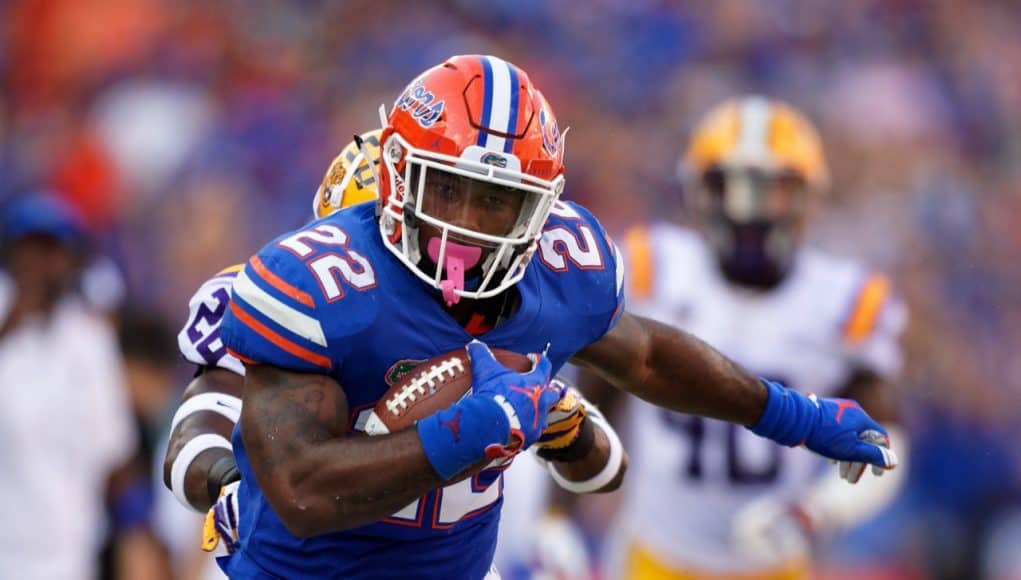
(754, 219)
(466, 225)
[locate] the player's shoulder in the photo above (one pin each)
(199, 339)
(662, 257)
(861, 300)
(574, 242)
(301, 294)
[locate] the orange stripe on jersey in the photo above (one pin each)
(285, 344)
(241, 357)
(638, 252)
(869, 303)
(231, 269)
(278, 283)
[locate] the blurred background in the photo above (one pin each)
(190, 132)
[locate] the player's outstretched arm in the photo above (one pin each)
(199, 458)
(317, 477)
(673, 369)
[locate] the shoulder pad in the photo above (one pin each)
(297, 296)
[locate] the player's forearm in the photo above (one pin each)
(202, 432)
(673, 369)
(317, 477)
(352, 481)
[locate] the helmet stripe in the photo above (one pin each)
(487, 99)
(496, 111)
(512, 123)
(756, 113)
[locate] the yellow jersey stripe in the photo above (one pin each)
(638, 251)
(867, 306)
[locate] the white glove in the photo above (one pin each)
(769, 530)
(851, 471)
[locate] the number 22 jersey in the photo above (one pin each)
(331, 299)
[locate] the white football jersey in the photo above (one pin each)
(688, 475)
(199, 340)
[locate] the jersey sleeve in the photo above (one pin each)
(873, 326)
(273, 317)
(199, 341)
(599, 258)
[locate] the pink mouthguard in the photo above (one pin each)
(456, 260)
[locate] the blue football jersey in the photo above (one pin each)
(331, 299)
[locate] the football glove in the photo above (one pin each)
(564, 420)
(222, 521)
(838, 429)
(505, 413)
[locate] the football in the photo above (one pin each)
(431, 386)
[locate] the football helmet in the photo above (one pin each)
(472, 165)
(752, 168)
(350, 179)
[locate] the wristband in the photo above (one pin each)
(184, 459)
(583, 443)
(461, 435)
(789, 416)
(223, 471)
(227, 405)
(609, 471)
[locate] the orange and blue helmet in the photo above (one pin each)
(471, 126)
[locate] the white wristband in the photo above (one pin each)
(188, 453)
(227, 405)
(609, 471)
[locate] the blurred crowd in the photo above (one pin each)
(188, 133)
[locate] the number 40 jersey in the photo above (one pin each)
(331, 299)
(688, 476)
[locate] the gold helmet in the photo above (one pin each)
(752, 167)
(349, 180)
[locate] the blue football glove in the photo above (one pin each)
(838, 429)
(526, 399)
(505, 413)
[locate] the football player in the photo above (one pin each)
(199, 466)
(708, 500)
(470, 176)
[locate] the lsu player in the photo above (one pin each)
(706, 500)
(199, 466)
(470, 177)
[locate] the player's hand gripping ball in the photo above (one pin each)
(432, 386)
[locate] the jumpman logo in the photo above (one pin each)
(532, 393)
(455, 425)
(841, 405)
